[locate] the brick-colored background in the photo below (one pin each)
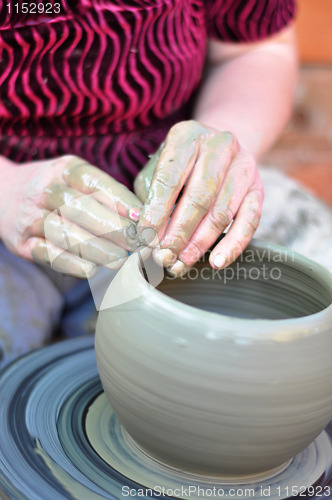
(305, 149)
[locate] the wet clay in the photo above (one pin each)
(91, 180)
(93, 220)
(223, 373)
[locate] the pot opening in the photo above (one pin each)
(261, 284)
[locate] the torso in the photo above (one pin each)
(98, 70)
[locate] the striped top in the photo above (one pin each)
(105, 79)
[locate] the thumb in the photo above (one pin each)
(143, 180)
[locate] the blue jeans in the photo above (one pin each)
(36, 304)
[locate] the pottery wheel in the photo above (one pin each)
(59, 439)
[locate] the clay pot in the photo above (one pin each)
(226, 373)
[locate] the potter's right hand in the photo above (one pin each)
(84, 232)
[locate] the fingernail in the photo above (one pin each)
(116, 265)
(134, 214)
(88, 269)
(164, 257)
(117, 260)
(178, 269)
(219, 260)
(147, 236)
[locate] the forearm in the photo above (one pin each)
(250, 94)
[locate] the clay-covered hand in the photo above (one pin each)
(70, 209)
(221, 184)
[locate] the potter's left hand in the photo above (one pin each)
(221, 184)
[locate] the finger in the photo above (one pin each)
(64, 262)
(173, 168)
(238, 181)
(241, 231)
(88, 179)
(88, 213)
(202, 190)
(143, 180)
(177, 269)
(80, 242)
(164, 257)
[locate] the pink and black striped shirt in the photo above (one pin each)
(105, 79)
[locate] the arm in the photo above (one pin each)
(257, 82)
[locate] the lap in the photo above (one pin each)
(35, 303)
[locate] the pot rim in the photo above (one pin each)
(311, 324)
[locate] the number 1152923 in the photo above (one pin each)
(33, 8)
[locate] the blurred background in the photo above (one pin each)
(304, 151)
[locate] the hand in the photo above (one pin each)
(92, 223)
(221, 184)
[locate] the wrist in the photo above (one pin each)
(248, 134)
